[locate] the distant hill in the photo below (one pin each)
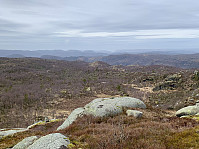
(146, 59)
(57, 53)
(182, 60)
(143, 59)
(51, 57)
(16, 56)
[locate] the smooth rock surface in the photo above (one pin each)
(135, 113)
(190, 110)
(4, 133)
(26, 142)
(51, 141)
(101, 107)
(72, 117)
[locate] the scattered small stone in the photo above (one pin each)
(135, 113)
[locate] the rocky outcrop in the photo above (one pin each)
(170, 82)
(134, 113)
(4, 133)
(51, 141)
(174, 77)
(103, 107)
(165, 85)
(72, 117)
(26, 142)
(111, 106)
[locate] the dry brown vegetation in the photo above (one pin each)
(156, 129)
(35, 87)
(32, 87)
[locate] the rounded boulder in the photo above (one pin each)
(102, 107)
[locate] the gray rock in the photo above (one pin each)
(190, 110)
(72, 117)
(135, 113)
(51, 141)
(4, 133)
(26, 142)
(101, 107)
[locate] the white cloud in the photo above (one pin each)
(90, 24)
(138, 34)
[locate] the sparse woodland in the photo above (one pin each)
(32, 88)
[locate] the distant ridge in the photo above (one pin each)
(57, 53)
(182, 60)
(144, 59)
(16, 56)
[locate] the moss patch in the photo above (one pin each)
(185, 139)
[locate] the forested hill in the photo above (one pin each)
(182, 60)
(145, 59)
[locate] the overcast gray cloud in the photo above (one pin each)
(99, 25)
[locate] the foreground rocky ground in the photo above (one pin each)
(106, 123)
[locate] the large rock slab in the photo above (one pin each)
(26, 142)
(190, 110)
(51, 141)
(102, 107)
(4, 133)
(134, 113)
(72, 117)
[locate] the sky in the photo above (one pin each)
(100, 25)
